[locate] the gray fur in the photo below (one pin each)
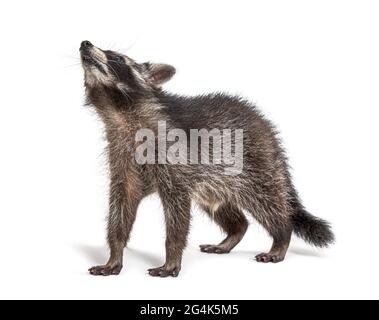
(131, 98)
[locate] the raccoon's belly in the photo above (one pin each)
(206, 200)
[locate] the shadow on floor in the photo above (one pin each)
(306, 252)
(99, 255)
(292, 251)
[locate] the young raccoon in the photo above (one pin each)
(128, 97)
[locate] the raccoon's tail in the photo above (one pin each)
(311, 229)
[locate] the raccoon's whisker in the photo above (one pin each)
(120, 63)
(73, 65)
(72, 57)
(125, 94)
(114, 71)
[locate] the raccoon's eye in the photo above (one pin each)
(119, 59)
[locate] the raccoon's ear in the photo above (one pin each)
(159, 73)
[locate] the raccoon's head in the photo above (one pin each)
(118, 77)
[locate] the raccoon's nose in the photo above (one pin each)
(85, 45)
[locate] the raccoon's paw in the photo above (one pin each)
(209, 248)
(105, 270)
(164, 271)
(269, 257)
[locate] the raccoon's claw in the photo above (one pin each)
(269, 257)
(164, 272)
(105, 270)
(208, 248)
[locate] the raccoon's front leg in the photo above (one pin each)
(125, 197)
(177, 209)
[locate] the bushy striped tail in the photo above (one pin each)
(311, 229)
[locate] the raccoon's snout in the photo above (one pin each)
(85, 51)
(85, 45)
(94, 61)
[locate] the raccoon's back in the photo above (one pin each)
(217, 110)
(262, 151)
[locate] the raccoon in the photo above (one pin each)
(128, 97)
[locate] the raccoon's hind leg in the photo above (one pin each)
(279, 247)
(272, 214)
(233, 221)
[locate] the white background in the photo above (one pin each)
(311, 66)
